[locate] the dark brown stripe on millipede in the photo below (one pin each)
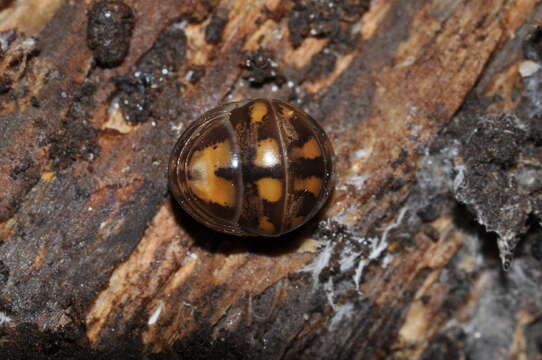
(304, 168)
(271, 129)
(255, 173)
(308, 203)
(214, 134)
(251, 207)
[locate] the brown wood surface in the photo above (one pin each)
(97, 261)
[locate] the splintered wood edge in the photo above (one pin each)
(170, 269)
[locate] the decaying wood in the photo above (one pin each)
(96, 260)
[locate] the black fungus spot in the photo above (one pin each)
(138, 92)
(133, 99)
(332, 19)
(109, 31)
(532, 47)
(213, 31)
(491, 146)
(494, 141)
(77, 138)
(167, 53)
(487, 190)
(262, 68)
(299, 24)
(322, 64)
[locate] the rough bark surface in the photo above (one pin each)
(434, 111)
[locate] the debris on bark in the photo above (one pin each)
(109, 31)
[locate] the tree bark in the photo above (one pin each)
(97, 260)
